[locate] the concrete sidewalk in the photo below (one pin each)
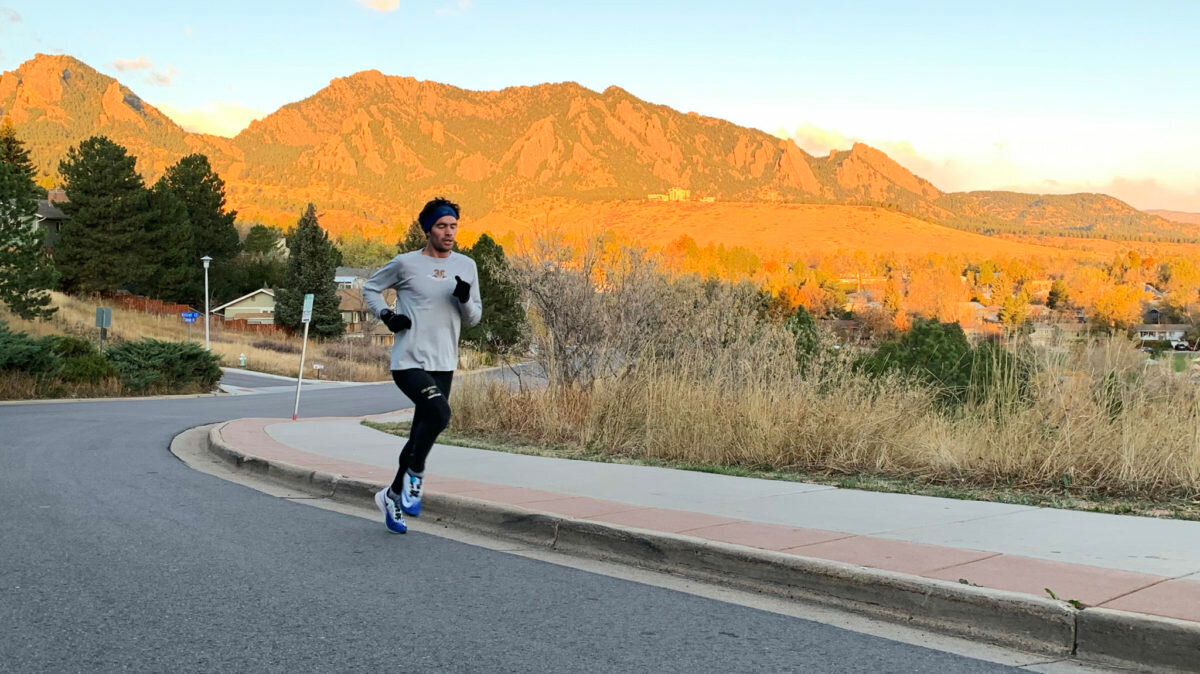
(1128, 563)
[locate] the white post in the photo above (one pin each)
(305, 317)
(206, 259)
(300, 377)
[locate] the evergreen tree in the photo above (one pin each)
(26, 272)
(311, 265)
(261, 240)
(414, 239)
(169, 233)
(503, 325)
(213, 234)
(103, 245)
(1058, 296)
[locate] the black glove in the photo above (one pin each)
(395, 322)
(462, 290)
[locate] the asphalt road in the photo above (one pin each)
(115, 556)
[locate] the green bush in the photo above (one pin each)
(22, 353)
(808, 337)
(936, 353)
(153, 364)
(940, 355)
(81, 362)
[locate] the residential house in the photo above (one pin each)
(51, 220)
(1165, 332)
(351, 277)
(256, 308)
(357, 315)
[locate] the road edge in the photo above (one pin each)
(1009, 619)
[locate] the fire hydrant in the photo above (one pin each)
(242, 360)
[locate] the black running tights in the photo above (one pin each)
(430, 393)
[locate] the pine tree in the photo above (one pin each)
(213, 234)
(261, 240)
(169, 233)
(103, 245)
(26, 272)
(503, 325)
(414, 239)
(1058, 296)
(311, 265)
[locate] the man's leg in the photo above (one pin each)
(429, 392)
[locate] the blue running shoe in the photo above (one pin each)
(392, 517)
(410, 498)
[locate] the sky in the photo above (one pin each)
(1045, 96)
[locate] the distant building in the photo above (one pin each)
(51, 220)
(678, 194)
(256, 308)
(707, 200)
(351, 277)
(1166, 332)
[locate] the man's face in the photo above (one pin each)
(441, 235)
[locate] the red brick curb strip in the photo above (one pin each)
(1010, 619)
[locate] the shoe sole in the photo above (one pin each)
(379, 501)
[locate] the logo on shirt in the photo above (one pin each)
(439, 273)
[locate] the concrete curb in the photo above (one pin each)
(1009, 619)
(1121, 638)
(122, 399)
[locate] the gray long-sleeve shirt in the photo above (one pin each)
(423, 287)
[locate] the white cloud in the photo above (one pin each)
(10, 15)
(216, 117)
(139, 63)
(164, 78)
(381, 5)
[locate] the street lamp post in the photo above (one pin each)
(206, 259)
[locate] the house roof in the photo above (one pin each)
(1163, 327)
(353, 272)
(247, 295)
(48, 211)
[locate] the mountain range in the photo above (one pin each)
(369, 148)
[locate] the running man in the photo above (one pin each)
(437, 291)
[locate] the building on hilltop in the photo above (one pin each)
(679, 194)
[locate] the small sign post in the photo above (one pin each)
(305, 318)
(104, 322)
(189, 317)
(318, 367)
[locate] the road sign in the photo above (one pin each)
(103, 317)
(308, 302)
(190, 316)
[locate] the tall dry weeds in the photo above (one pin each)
(682, 370)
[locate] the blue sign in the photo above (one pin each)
(190, 316)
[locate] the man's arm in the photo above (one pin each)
(472, 309)
(387, 276)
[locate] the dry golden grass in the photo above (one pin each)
(344, 360)
(713, 385)
(1094, 422)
